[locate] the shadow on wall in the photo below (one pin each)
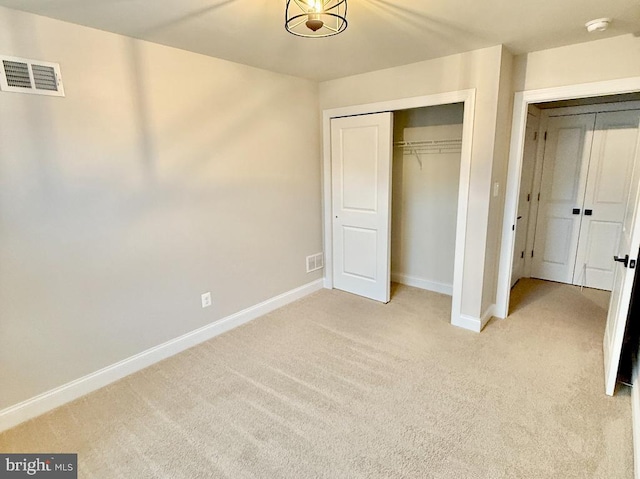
(141, 107)
(140, 98)
(204, 131)
(141, 189)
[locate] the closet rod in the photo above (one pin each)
(430, 146)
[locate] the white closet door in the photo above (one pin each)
(625, 269)
(561, 197)
(610, 168)
(524, 200)
(361, 152)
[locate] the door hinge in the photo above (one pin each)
(513, 227)
(528, 196)
(538, 196)
(532, 253)
(522, 255)
(545, 136)
(535, 135)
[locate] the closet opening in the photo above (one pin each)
(425, 187)
(396, 196)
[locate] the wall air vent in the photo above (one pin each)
(30, 76)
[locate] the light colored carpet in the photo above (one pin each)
(336, 386)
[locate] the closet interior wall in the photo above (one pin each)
(425, 185)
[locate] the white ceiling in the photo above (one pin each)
(381, 33)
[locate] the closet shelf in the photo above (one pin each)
(427, 147)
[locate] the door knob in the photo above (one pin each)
(588, 212)
(624, 260)
(576, 211)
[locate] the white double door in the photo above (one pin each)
(586, 179)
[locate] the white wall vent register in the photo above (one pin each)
(30, 76)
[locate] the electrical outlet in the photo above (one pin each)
(206, 300)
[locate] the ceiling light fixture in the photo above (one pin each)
(598, 25)
(316, 18)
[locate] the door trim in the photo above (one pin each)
(520, 105)
(535, 191)
(462, 96)
(535, 120)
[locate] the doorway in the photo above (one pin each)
(580, 96)
(573, 95)
(467, 99)
(574, 185)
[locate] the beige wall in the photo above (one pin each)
(480, 70)
(608, 59)
(162, 174)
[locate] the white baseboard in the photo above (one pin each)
(471, 322)
(35, 406)
(635, 419)
(422, 283)
(467, 322)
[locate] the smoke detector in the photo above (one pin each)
(598, 25)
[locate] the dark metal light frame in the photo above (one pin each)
(316, 18)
